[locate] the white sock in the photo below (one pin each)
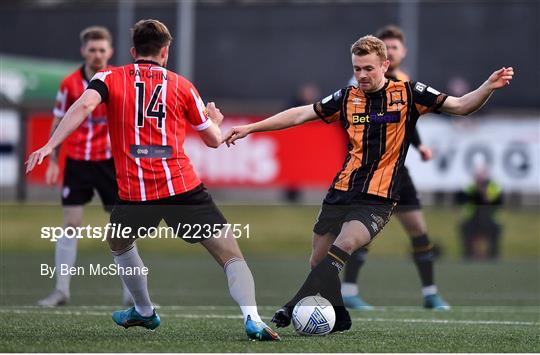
(429, 290)
(136, 284)
(126, 296)
(349, 289)
(242, 287)
(65, 253)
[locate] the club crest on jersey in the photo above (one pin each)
(375, 117)
(396, 97)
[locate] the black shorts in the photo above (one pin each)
(82, 177)
(372, 211)
(193, 215)
(408, 196)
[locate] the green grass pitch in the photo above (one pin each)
(496, 305)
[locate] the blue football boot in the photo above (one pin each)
(356, 302)
(260, 331)
(436, 302)
(131, 318)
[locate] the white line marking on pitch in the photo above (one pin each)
(225, 316)
(456, 309)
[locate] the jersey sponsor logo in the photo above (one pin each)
(101, 120)
(150, 151)
(376, 117)
(420, 87)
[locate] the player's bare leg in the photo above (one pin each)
(415, 226)
(65, 254)
(320, 246)
(225, 250)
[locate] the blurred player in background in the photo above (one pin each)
(481, 201)
(148, 108)
(379, 116)
(89, 164)
(408, 210)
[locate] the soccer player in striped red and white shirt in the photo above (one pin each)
(89, 165)
(148, 109)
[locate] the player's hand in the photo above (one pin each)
(425, 152)
(236, 133)
(500, 78)
(36, 158)
(214, 113)
(53, 170)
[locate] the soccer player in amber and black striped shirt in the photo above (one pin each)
(408, 209)
(379, 117)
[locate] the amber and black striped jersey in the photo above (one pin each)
(379, 126)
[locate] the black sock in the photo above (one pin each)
(423, 258)
(357, 260)
(324, 279)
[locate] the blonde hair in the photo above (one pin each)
(367, 45)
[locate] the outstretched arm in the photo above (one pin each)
(474, 100)
(211, 135)
(73, 118)
(289, 118)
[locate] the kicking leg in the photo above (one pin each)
(324, 277)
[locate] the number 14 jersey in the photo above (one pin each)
(148, 108)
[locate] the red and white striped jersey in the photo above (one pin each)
(90, 141)
(148, 107)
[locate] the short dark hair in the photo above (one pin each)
(391, 32)
(95, 33)
(149, 36)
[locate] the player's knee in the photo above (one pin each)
(347, 244)
(352, 237)
(120, 245)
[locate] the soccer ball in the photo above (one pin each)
(313, 315)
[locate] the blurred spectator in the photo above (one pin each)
(307, 94)
(481, 200)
